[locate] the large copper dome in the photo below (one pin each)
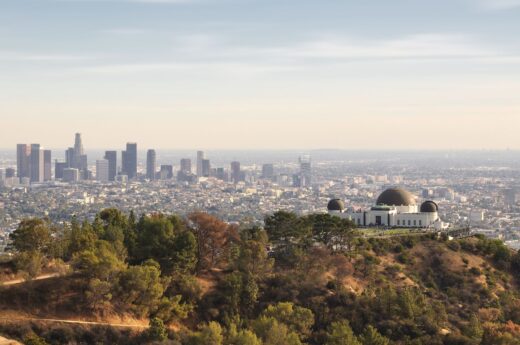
(396, 197)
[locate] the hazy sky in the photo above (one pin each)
(241, 74)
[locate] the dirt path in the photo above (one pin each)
(78, 322)
(20, 280)
(4, 341)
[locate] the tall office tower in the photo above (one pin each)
(151, 164)
(206, 167)
(36, 164)
(186, 166)
(236, 175)
(69, 157)
(130, 161)
(58, 169)
(79, 159)
(200, 158)
(305, 171)
(267, 171)
(10, 172)
(166, 172)
(47, 165)
(111, 157)
(102, 170)
(78, 145)
(23, 160)
(2, 175)
(221, 174)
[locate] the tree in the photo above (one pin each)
(172, 309)
(33, 339)
(272, 332)
(242, 337)
(213, 237)
(298, 319)
(372, 337)
(30, 263)
(340, 333)
(99, 262)
(99, 295)
(140, 288)
(32, 235)
(210, 334)
(157, 331)
(184, 256)
(285, 228)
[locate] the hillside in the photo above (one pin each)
(301, 280)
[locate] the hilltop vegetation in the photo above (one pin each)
(300, 280)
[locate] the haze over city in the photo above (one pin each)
(261, 74)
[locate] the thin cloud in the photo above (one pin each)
(497, 4)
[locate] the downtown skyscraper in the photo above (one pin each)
(129, 160)
(151, 164)
(23, 160)
(111, 157)
(200, 158)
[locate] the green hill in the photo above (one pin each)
(300, 280)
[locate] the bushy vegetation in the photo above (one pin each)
(299, 280)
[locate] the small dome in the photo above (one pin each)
(396, 197)
(335, 205)
(429, 206)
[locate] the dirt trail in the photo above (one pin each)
(20, 280)
(78, 322)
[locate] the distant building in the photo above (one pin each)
(236, 173)
(206, 168)
(58, 169)
(151, 164)
(36, 164)
(102, 170)
(305, 177)
(267, 171)
(9, 173)
(166, 172)
(395, 207)
(23, 160)
(200, 158)
(222, 174)
(47, 165)
(186, 165)
(70, 175)
(111, 157)
(129, 161)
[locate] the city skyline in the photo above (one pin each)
(261, 74)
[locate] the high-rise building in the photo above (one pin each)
(222, 174)
(305, 171)
(151, 164)
(10, 172)
(267, 171)
(186, 165)
(206, 168)
(79, 158)
(58, 169)
(36, 163)
(23, 160)
(166, 172)
(102, 170)
(47, 165)
(69, 157)
(200, 158)
(111, 157)
(236, 174)
(130, 161)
